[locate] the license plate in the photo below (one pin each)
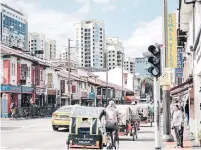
(63, 116)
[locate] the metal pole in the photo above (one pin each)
(122, 73)
(166, 93)
(157, 117)
(69, 93)
(106, 78)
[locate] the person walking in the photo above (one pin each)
(13, 109)
(178, 125)
(186, 108)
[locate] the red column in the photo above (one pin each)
(8, 103)
(33, 83)
(18, 71)
(6, 72)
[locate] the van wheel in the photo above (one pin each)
(55, 128)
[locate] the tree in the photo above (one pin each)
(148, 85)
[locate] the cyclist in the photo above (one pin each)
(151, 111)
(111, 117)
(135, 113)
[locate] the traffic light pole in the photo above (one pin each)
(157, 117)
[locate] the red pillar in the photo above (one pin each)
(6, 72)
(8, 103)
(18, 71)
(33, 83)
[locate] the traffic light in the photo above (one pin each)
(155, 60)
(38, 52)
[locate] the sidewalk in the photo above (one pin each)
(187, 142)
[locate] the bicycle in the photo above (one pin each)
(112, 141)
(134, 130)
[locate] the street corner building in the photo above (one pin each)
(188, 73)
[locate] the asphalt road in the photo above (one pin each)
(37, 134)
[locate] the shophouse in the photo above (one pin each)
(189, 90)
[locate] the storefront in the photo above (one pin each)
(9, 92)
(75, 99)
(84, 99)
(40, 96)
(51, 97)
(27, 96)
(92, 99)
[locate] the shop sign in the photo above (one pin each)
(27, 89)
(92, 95)
(40, 90)
(75, 96)
(99, 97)
(84, 95)
(179, 69)
(49, 80)
(11, 88)
(51, 92)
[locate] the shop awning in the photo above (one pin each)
(182, 88)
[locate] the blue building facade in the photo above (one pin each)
(14, 28)
(141, 66)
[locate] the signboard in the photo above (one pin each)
(26, 89)
(125, 78)
(165, 79)
(172, 41)
(92, 95)
(179, 69)
(49, 80)
(11, 88)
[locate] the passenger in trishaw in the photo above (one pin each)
(84, 128)
(111, 121)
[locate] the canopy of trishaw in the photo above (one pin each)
(88, 112)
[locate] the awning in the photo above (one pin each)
(182, 88)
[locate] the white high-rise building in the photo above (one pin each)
(38, 41)
(115, 52)
(129, 64)
(50, 49)
(90, 38)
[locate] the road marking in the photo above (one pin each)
(3, 147)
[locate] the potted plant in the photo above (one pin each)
(199, 136)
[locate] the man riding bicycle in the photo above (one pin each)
(135, 114)
(111, 117)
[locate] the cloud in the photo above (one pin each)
(55, 25)
(138, 2)
(109, 8)
(143, 35)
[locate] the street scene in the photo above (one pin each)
(38, 134)
(100, 74)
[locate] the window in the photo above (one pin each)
(12, 70)
(41, 75)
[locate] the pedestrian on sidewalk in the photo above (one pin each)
(178, 125)
(13, 109)
(187, 113)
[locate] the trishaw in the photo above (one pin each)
(124, 119)
(85, 128)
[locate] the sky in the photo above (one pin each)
(137, 23)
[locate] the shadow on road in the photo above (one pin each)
(145, 139)
(139, 139)
(145, 131)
